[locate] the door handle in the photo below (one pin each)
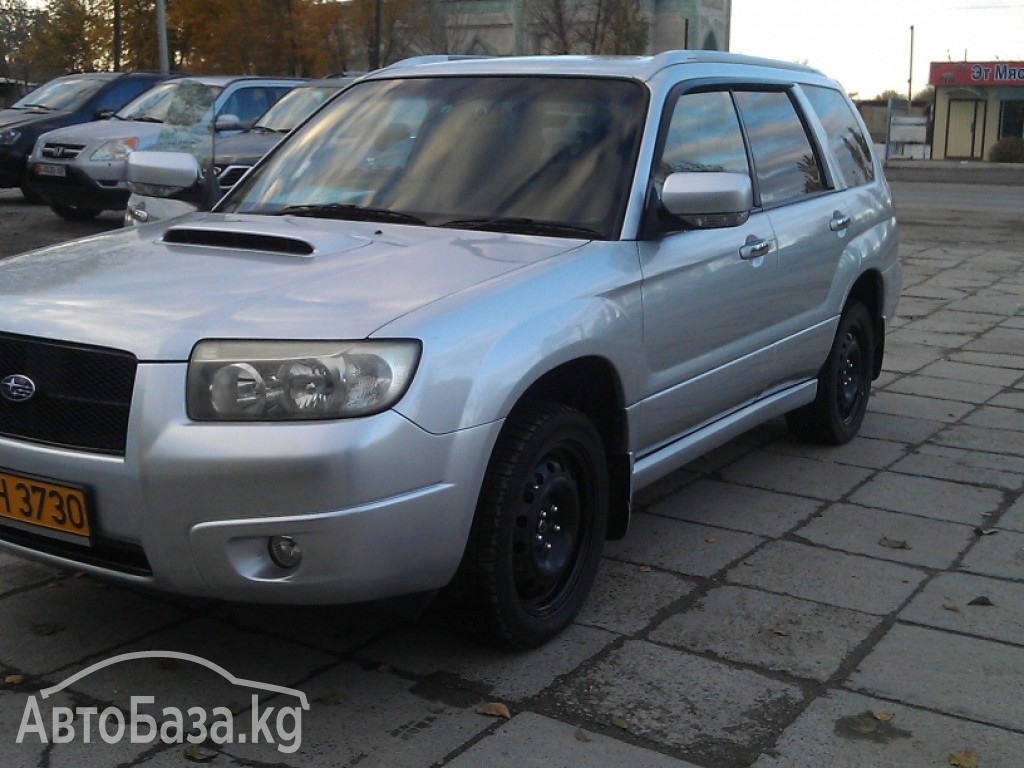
(755, 249)
(839, 222)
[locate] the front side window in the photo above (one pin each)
(501, 153)
(845, 136)
(786, 165)
(703, 135)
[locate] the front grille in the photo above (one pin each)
(82, 395)
(105, 553)
(54, 151)
(228, 176)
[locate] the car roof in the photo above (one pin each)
(225, 80)
(636, 67)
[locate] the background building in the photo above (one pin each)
(513, 27)
(977, 103)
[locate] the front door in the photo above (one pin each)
(965, 128)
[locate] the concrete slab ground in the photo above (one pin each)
(776, 604)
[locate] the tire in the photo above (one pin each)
(539, 527)
(74, 213)
(844, 383)
(31, 197)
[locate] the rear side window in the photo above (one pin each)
(785, 163)
(845, 136)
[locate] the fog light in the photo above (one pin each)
(284, 551)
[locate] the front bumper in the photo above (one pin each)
(79, 190)
(378, 506)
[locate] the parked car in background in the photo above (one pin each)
(443, 331)
(234, 155)
(64, 101)
(79, 171)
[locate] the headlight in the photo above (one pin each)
(292, 380)
(117, 149)
(9, 137)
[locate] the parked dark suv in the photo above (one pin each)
(63, 101)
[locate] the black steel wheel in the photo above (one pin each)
(539, 528)
(844, 382)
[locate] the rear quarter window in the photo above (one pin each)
(845, 136)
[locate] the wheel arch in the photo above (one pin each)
(592, 386)
(869, 290)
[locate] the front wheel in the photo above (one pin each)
(540, 524)
(844, 383)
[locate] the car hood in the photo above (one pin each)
(134, 290)
(103, 130)
(245, 148)
(11, 118)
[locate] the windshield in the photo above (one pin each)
(151, 106)
(292, 108)
(504, 153)
(67, 93)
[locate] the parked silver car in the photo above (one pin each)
(445, 330)
(79, 170)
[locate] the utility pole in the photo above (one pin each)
(910, 78)
(375, 45)
(117, 35)
(161, 32)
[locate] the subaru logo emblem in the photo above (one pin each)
(17, 388)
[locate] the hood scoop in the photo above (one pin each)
(239, 241)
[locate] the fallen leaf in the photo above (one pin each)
(494, 709)
(780, 633)
(620, 722)
(332, 700)
(951, 607)
(645, 569)
(78, 574)
(14, 679)
(197, 754)
(893, 543)
(985, 531)
(710, 539)
(981, 600)
(963, 759)
(884, 716)
(581, 735)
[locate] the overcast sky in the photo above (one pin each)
(865, 44)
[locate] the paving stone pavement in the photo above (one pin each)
(775, 605)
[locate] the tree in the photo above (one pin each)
(587, 26)
(436, 27)
(16, 20)
(61, 39)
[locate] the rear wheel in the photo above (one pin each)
(844, 382)
(75, 213)
(538, 531)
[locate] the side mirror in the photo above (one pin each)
(707, 200)
(161, 174)
(228, 123)
(103, 113)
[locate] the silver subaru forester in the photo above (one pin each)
(439, 337)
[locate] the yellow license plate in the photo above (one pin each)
(48, 505)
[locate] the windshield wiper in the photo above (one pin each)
(525, 226)
(350, 211)
(37, 106)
